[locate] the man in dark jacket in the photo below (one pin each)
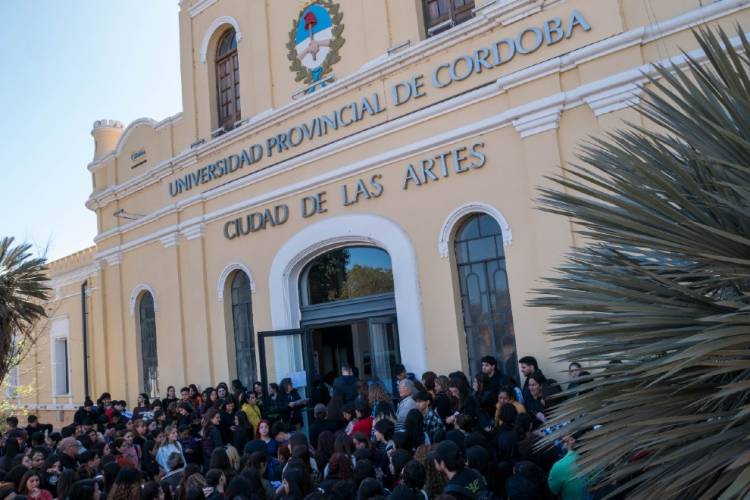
(496, 379)
(346, 384)
(464, 483)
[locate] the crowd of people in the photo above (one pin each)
(434, 437)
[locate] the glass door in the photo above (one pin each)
(384, 350)
(286, 354)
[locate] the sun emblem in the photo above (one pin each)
(315, 40)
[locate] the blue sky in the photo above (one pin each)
(68, 63)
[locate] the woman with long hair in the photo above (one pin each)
(31, 486)
(211, 435)
(210, 400)
(171, 444)
(442, 400)
(195, 396)
(170, 398)
(535, 404)
(295, 484)
(380, 402)
(127, 485)
(324, 451)
(143, 406)
(228, 408)
(263, 432)
(220, 460)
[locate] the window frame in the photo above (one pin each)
(140, 333)
(231, 57)
(235, 307)
(60, 330)
(447, 21)
(498, 328)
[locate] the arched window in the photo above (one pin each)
(147, 335)
(242, 322)
(346, 273)
(485, 298)
(228, 80)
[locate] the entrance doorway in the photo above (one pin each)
(370, 346)
(348, 316)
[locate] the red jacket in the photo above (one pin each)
(363, 425)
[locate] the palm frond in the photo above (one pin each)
(658, 304)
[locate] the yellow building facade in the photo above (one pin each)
(349, 181)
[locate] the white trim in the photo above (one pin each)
(59, 329)
(113, 258)
(533, 117)
(139, 288)
(229, 269)
(216, 24)
(75, 276)
(194, 232)
(170, 240)
(200, 6)
(342, 230)
(417, 52)
(469, 208)
(614, 99)
(536, 123)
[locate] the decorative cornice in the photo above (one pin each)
(623, 96)
(200, 6)
(536, 123)
(193, 232)
(113, 259)
(75, 276)
(170, 240)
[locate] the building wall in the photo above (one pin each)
(530, 115)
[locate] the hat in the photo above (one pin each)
(446, 451)
(320, 409)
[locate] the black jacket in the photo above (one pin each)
(347, 386)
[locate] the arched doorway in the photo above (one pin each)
(347, 303)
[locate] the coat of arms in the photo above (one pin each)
(315, 40)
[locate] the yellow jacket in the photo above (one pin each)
(253, 415)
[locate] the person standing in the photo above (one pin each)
(406, 392)
(529, 366)
(346, 384)
(495, 378)
(434, 426)
(563, 478)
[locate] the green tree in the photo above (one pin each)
(362, 281)
(23, 292)
(657, 302)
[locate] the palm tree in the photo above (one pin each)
(657, 302)
(23, 292)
